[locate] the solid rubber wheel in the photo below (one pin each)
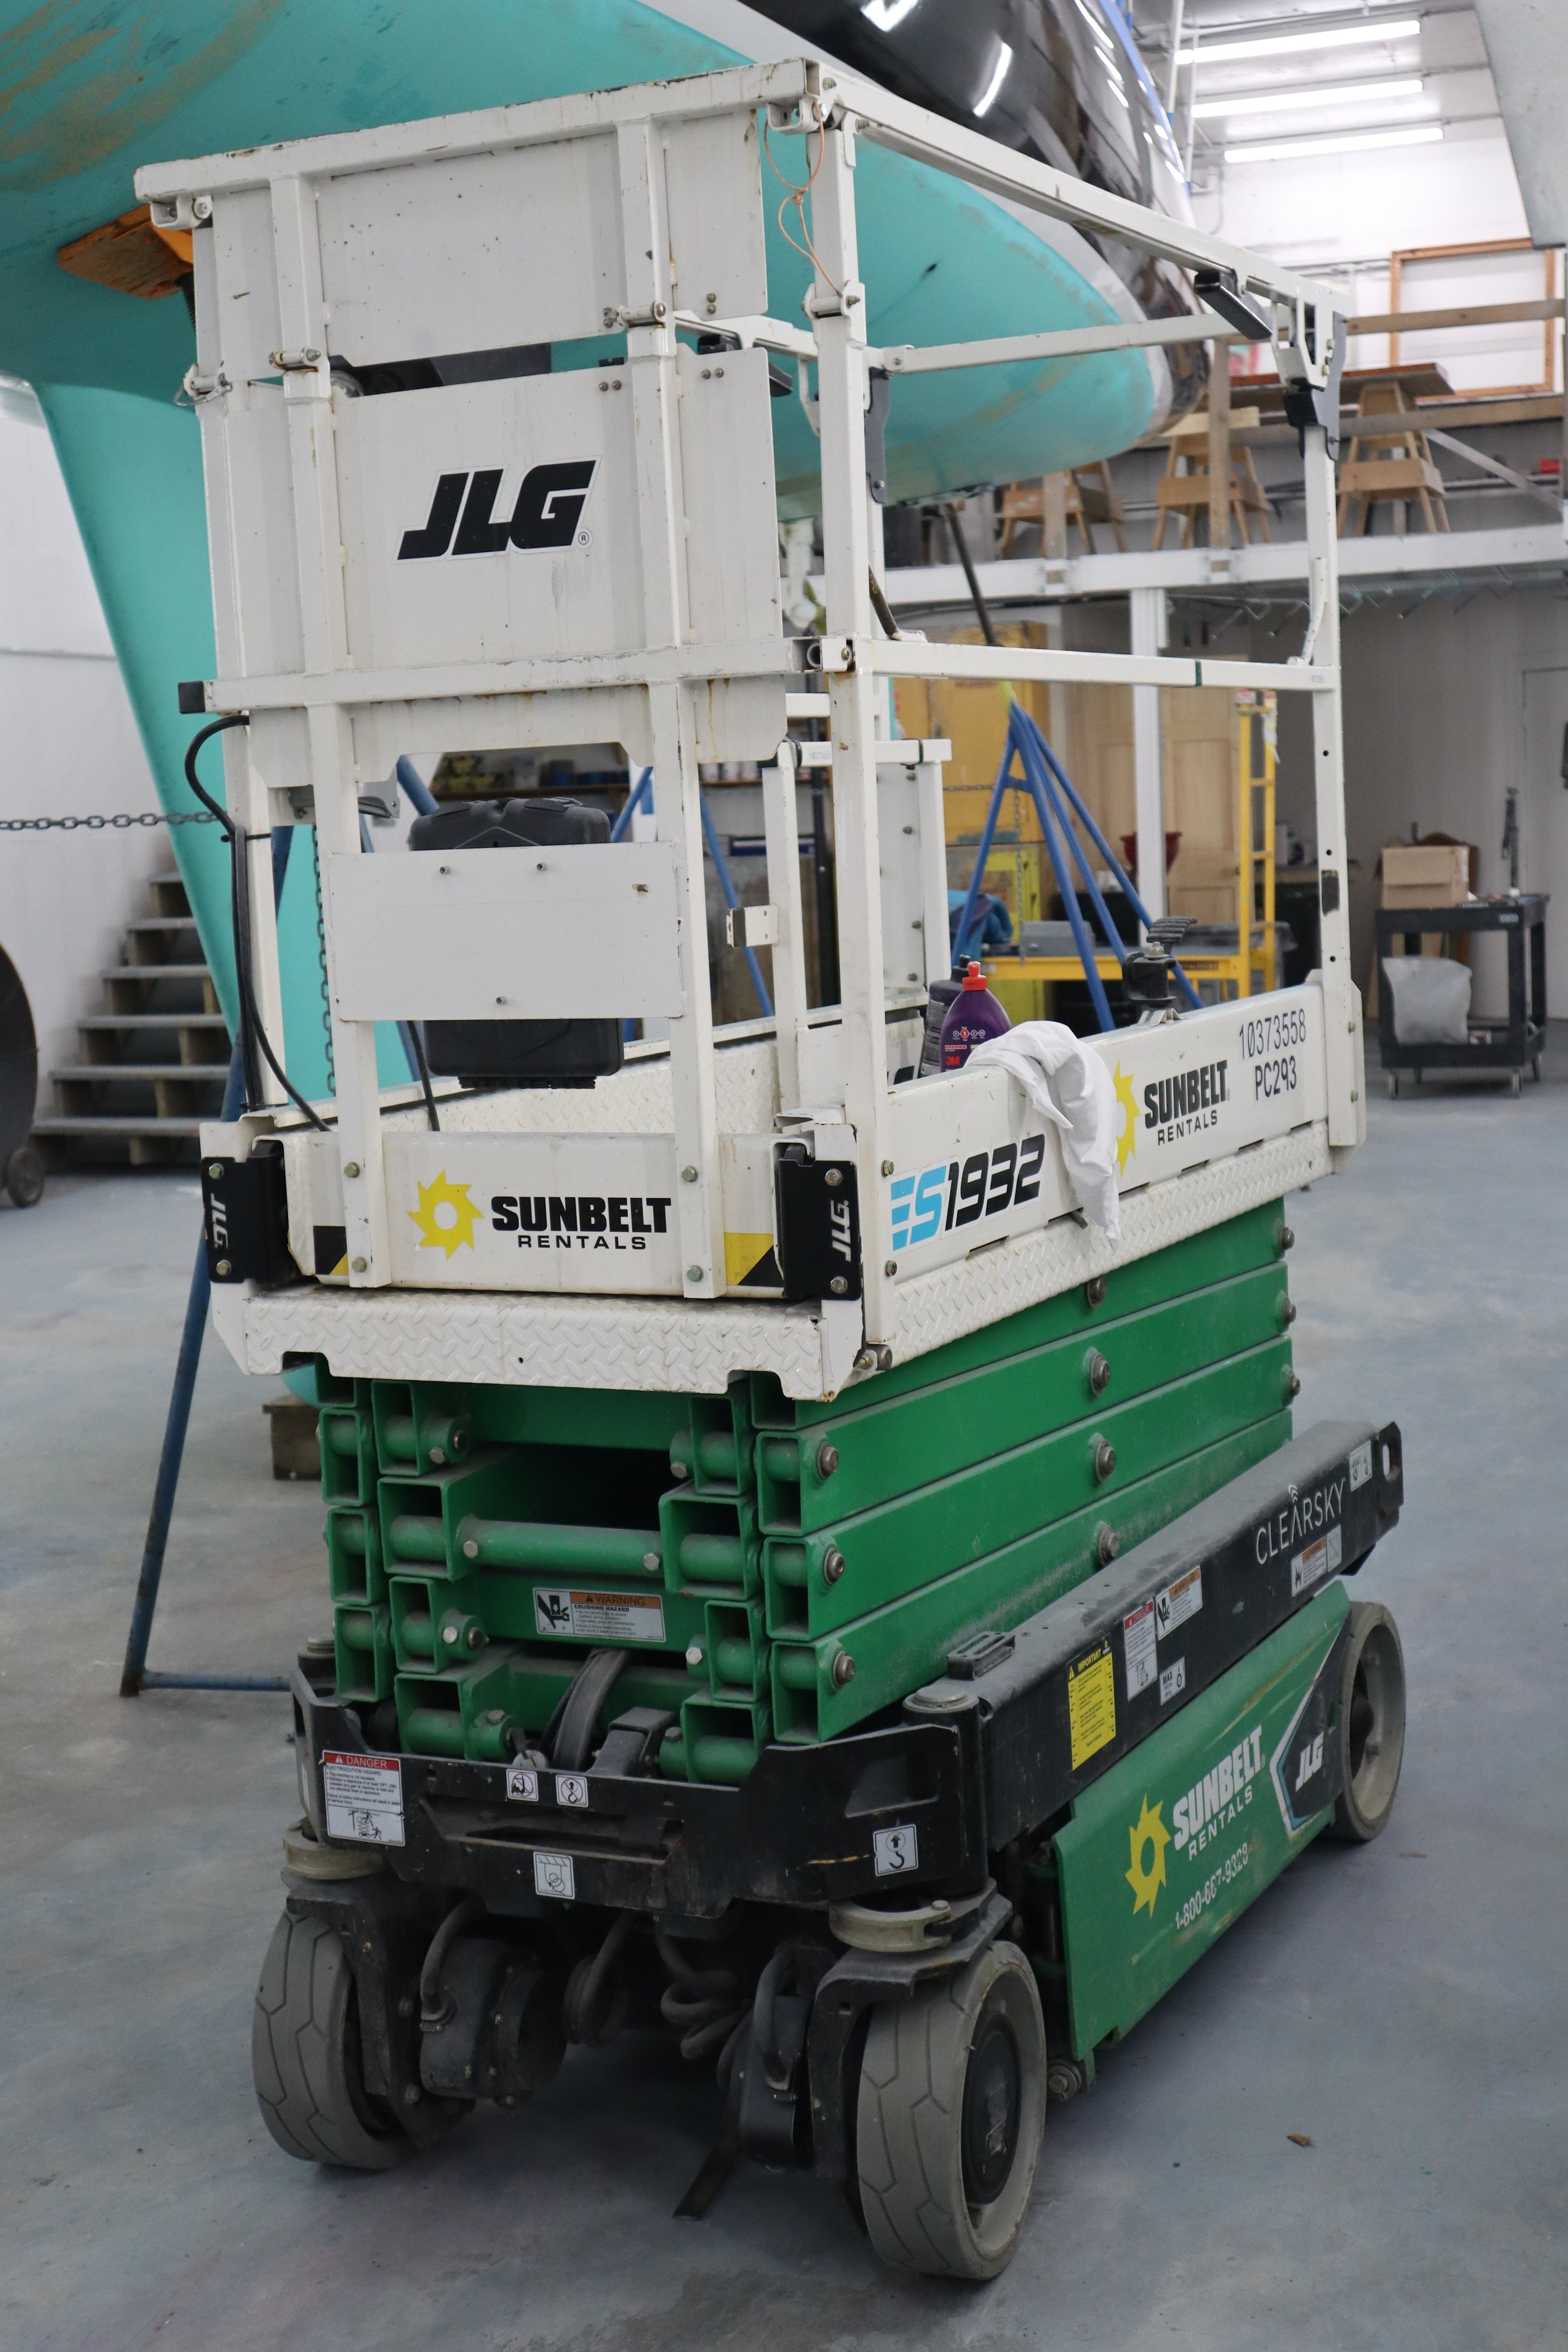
(1391, 1083)
(952, 2101)
(1516, 1084)
(305, 2057)
(24, 1175)
(1370, 1723)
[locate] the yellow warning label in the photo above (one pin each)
(742, 1252)
(1091, 1705)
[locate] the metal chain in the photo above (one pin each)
(117, 823)
(321, 960)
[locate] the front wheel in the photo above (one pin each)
(305, 2054)
(1370, 1723)
(952, 2101)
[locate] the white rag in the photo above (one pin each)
(1068, 1084)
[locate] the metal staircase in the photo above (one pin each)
(153, 1064)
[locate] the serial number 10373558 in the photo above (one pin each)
(1267, 1040)
(1273, 1032)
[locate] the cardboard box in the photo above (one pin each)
(1422, 874)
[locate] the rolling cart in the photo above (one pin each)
(1511, 1046)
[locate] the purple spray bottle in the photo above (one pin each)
(971, 1017)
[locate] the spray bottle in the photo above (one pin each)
(971, 1017)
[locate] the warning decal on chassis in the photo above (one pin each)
(599, 1616)
(364, 1797)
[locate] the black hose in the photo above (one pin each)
(731, 2051)
(570, 1738)
(763, 2019)
(585, 1987)
(433, 2005)
(882, 609)
(252, 1034)
(424, 1067)
(702, 2004)
(982, 610)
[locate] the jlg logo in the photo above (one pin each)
(843, 1230)
(1310, 1761)
(463, 522)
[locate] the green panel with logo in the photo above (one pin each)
(1174, 1843)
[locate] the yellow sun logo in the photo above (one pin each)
(445, 1217)
(1146, 1878)
(1127, 1141)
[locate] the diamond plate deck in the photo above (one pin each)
(980, 1290)
(696, 1348)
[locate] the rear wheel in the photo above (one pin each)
(24, 1176)
(1370, 1723)
(305, 2054)
(952, 2100)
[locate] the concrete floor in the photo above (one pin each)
(1399, 2003)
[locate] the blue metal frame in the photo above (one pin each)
(135, 1674)
(1043, 775)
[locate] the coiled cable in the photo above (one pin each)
(704, 2005)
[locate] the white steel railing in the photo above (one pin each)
(660, 628)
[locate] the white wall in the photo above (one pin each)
(1318, 210)
(1435, 734)
(70, 747)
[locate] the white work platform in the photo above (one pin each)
(505, 559)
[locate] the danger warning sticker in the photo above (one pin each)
(598, 1616)
(1174, 1603)
(364, 1797)
(1320, 1559)
(1091, 1705)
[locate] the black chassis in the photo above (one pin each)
(978, 1766)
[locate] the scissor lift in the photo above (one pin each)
(771, 1530)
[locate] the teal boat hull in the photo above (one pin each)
(91, 89)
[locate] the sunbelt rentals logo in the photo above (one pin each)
(1197, 1817)
(1147, 1837)
(1126, 1103)
(445, 1217)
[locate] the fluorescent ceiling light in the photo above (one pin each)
(1401, 28)
(886, 13)
(1284, 101)
(1348, 142)
(1003, 60)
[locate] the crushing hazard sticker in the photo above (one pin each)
(599, 1616)
(364, 1797)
